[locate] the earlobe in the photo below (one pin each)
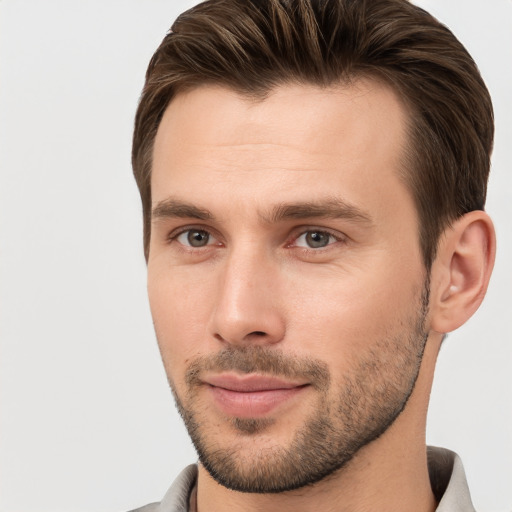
(461, 271)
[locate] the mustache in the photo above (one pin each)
(257, 359)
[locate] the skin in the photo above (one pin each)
(257, 283)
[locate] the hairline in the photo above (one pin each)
(406, 162)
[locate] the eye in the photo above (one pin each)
(194, 238)
(315, 239)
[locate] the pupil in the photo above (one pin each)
(198, 238)
(317, 239)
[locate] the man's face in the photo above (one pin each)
(285, 277)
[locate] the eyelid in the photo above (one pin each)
(175, 233)
(302, 230)
(297, 232)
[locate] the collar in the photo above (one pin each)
(446, 473)
(448, 481)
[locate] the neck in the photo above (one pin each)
(389, 474)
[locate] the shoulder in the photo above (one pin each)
(177, 497)
(151, 507)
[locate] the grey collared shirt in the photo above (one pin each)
(445, 469)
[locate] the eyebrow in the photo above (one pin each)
(330, 208)
(171, 208)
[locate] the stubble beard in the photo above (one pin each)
(368, 401)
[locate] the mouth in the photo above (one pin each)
(251, 396)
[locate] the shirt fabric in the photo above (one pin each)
(446, 473)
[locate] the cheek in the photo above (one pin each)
(347, 314)
(179, 307)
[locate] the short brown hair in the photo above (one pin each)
(253, 46)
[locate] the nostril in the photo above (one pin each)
(255, 334)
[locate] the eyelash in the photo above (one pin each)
(174, 235)
(336, 236)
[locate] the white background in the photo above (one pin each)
(87, 420)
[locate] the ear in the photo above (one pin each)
(461, 271)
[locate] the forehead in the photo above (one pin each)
(298, 141)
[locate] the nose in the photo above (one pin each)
(248, 306)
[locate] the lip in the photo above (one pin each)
(251, 396)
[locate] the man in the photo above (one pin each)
(313, 177)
